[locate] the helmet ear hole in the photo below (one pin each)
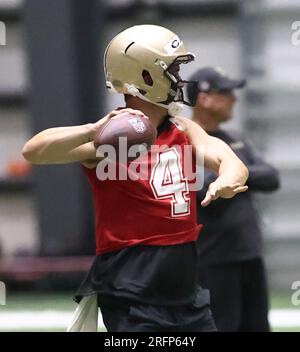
(147, 78)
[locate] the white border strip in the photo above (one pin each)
(18, 320)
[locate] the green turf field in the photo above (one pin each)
(55, 310)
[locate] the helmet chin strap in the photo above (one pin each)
(173, 108)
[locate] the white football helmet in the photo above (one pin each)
(144, 61)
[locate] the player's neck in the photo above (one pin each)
(155, 113)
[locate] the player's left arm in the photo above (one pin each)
(218, 157)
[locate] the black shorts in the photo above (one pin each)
(149, 288)
(239, 297)
(130, 316)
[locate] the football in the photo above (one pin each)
(136, 131)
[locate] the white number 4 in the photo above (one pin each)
(167, 181)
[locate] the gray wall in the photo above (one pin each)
(18, 222)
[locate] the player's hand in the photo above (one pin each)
(217, 190)
(114, 114)
(182, 123)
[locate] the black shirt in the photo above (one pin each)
(231, 227)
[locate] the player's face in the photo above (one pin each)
(174, 70)
(222, 105)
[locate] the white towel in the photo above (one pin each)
(85, 318)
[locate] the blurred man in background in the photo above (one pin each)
(230, 245)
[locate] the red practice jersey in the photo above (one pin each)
(159, 210)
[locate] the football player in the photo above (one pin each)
(145, 272)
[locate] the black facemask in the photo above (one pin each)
(176, 93)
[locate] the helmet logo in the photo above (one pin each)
(175, 43)
(172, 45)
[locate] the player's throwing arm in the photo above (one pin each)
(219, 158)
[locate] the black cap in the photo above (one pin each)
(211, 78)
